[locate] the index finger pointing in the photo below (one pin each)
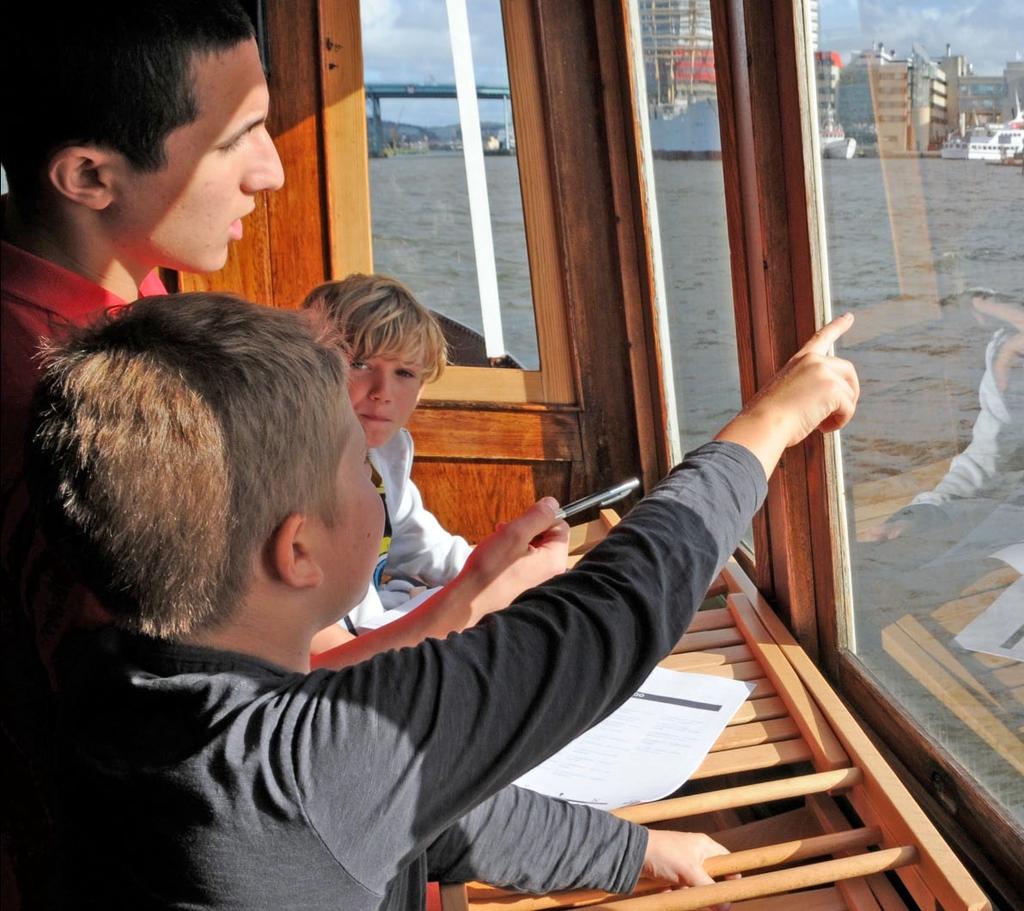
(828, 335)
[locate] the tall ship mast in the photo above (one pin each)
(679, 62)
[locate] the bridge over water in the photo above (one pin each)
(375, 92)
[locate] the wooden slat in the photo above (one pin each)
(746, 759)
(741, 670)
(809, 900)
(744, 735)
(487, 899)
(698, 661)
(826, 749)
(453, 897)
(715, 618)
(860, 894)
(787, 825)
(742, 796)
(893, 807)
(759, 710)
(828, 871)
(708, 639)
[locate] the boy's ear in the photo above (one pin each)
(289, 553)
(85, 175)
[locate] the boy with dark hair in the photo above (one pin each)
(134, 137)
(207, 766)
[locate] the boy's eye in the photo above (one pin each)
(358, 365)
(406, 373)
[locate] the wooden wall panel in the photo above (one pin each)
(477, 467)
(487, 433)
(346, 154)
(298, 224)
(470, 498)
(584, 198)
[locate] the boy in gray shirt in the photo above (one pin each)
(198, 460)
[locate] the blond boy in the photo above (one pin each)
(395, 348)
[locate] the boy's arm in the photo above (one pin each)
(522, 840)
(448, 724)
(523, 553)
(526, 841)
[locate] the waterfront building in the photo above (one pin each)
(982, 98)
(855, 107)
(1013, 76)
(678, 53)
(827, 68)
(955, 67)
(926, 82)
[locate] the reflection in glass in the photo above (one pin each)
(422, 231)
(924, 246)
(691, 244)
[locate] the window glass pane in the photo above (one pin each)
(688, 213)
(924, 228)
(423, 233)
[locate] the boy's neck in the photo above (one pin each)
(291, 655)
(79, 248)
(266, 627)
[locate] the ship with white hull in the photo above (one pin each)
(835, 143)
(992, 142)
(690, 132)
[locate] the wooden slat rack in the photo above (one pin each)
(814, 815)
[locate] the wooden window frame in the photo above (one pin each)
(347, 189)
(776, 250)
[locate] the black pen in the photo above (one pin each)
(602, 498)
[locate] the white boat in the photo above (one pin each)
(956, 146)
(991, 142)
(835, 143)
(1004, 143)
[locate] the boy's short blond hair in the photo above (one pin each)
(169, 442)
(379, 316)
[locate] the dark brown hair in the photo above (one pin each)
(169, 442)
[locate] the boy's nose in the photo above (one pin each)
(266, 171)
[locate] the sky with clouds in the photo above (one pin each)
(406, 41)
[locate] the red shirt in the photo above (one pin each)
(38, 300)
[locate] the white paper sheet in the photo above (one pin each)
(389, 616)
(999, 629)
(648, 747)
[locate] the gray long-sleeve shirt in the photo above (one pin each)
(204, 779)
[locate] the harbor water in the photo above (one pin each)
(919, 350)
(909, 244)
